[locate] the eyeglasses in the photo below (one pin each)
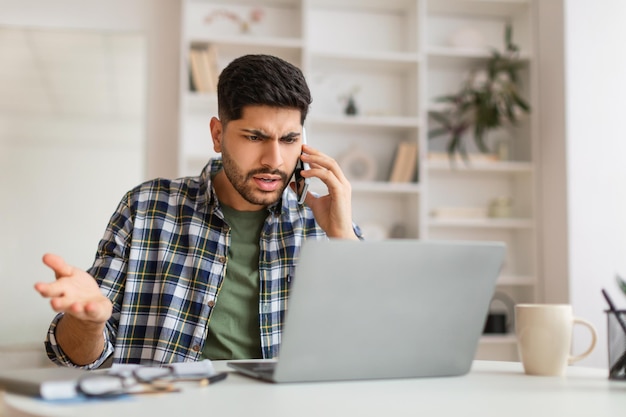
(144, 379)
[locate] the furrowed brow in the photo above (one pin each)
(256, 132)
(289, 136)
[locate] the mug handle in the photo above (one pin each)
(594, 338)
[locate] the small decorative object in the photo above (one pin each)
(350, 108)
(255, 16)
(501, 207)
(358, 165)
(488, 99)
(459, 213)
(503, 150)
(398, 231)
(500, 320)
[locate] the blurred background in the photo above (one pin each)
(88, 109)
(90, 106)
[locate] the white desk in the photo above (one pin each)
(490, 389)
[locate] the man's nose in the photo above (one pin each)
(272, 156)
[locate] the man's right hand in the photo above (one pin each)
(75, 293)
(79, 333)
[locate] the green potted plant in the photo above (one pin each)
(621, 283)
(488, 99)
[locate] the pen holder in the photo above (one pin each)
(616, 344)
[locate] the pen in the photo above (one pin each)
(620, 363)
(614, 310)
(214, 378)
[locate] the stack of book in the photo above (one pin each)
(203, 69)
(404, 166)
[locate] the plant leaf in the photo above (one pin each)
(621, 283)
(442, 119)
(520, 102)
(437, 132)
(453, 145)
(449, 98)
(488, 98)
(508, 34)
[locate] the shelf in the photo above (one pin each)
(365, 60)
(373, 5)
(394, 58)
(247, 40)
(373, 25)
(486, 223)
(461, 167)
(385, 187)
(517, 280)
(478, 24)
(499, 339)
(450, 54)
(394, 122)
(262, 3)
(268, 20)
(494, 8)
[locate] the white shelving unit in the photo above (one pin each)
(396, 56)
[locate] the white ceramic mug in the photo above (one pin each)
(544, 337)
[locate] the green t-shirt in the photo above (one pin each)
(234, 322)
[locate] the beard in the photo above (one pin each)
(242, 182)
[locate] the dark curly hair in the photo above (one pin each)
(261, 80)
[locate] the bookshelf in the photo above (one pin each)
(393, 57)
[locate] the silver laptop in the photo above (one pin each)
(383, 309)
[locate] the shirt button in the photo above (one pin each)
(196, 348)
(211, 303)
(221, 259)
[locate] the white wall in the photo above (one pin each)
(55, 203)
(595, 81)
(552, 202)
(159, 21)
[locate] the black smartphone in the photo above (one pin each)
(302, 184)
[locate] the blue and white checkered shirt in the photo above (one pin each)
(162, 259)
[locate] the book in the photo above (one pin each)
(48, 383)
(197, 71)
(405, 163)
(204, 68)
(398, 162)
(410, 167)
(209, 55)
(192, 83)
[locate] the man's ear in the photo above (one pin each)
(216, 134)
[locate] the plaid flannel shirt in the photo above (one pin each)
(162, 261)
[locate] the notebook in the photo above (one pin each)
(52, 383)
(383, 309)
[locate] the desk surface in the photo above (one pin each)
(490, 389)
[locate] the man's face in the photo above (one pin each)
(259, 153)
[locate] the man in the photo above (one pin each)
(200, 267)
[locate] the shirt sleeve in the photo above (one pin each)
(56, 354)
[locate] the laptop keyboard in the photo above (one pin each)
(261, 369)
